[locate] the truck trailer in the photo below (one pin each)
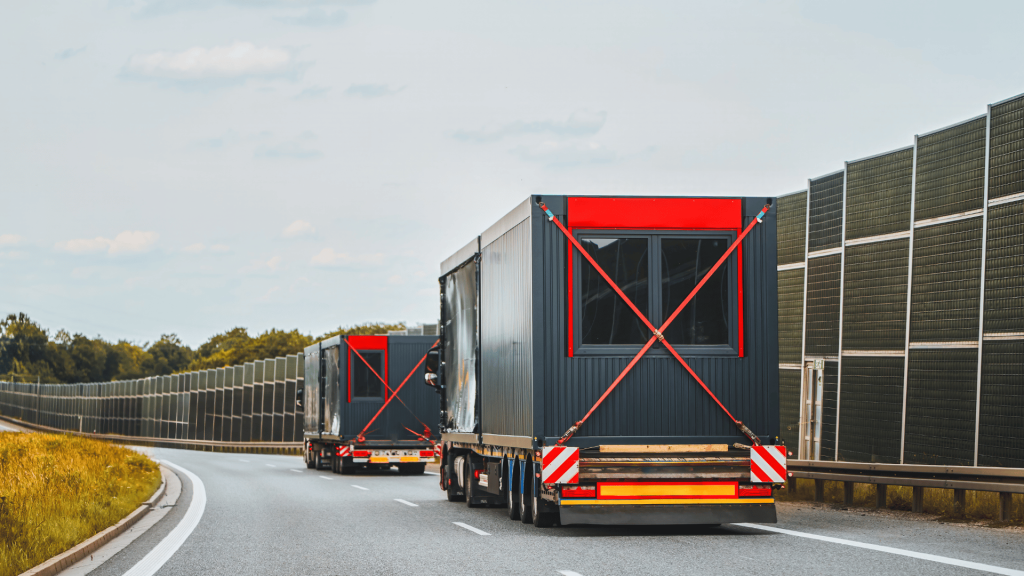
(611, 360)
(358, 409)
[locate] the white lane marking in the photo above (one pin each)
(271, 465)
(240, 460)
(569, 573)
(898, 551)
(471, 529)
(163, 551)
(325, 477)
(432, 473)
(407, 503)
(295, 470)
(360, 487)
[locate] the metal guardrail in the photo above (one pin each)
(201, 445)
(1005, 481)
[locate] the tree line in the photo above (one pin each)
(28, 352)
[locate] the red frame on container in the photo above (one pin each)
(639, 214)
(370, 344)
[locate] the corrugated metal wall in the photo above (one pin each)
(658, 399)
(792, 228)
(924, 216)
(506, 333)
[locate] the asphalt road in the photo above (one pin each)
(270, 515)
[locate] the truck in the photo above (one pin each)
(359, 412)
(613, 360)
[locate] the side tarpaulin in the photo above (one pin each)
(460, 347)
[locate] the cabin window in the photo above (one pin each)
(364, 384)
(657, 272)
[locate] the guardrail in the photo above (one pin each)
(291, 448)
(1005, 481)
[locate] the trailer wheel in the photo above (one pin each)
(541, 519)
(467, 474)
(513, 493)
(452, 489)
(306, 458)
(526, 499)
(319, 462)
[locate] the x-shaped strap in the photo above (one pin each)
(360, 437)
(658, 333)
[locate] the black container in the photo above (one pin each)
(514, 376)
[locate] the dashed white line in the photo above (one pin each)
(432, 473)
(360, 487)
(407, 503)
(471, 529)
(240, 460)
(569, 573)
(271, 465)
(898, 551)
(325, 477)
(295, 470)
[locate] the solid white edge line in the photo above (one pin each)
(433, 473)
(470, 528)
(569, 573)
(407, 503)
(360, 487)
(163, 551)
(898, 551)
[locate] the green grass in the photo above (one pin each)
(981, 506)
(57, 490)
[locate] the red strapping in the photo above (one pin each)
(360, 437)
(658, 333)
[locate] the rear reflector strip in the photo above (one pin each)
(755, 491)
(579, 491)
(671, 490)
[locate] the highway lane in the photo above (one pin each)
(270, 515)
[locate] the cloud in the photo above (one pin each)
(164, 7)
(371, 90)
(317, 17)
(69, 53)
(313, 92)
(126, 242)
(556, 154)
(194, 248)
(298, 228)
(237, 62)
(220, 248)
(295, 149)
(10, 239)
(274, 263)
(328, 257)
(582, 123)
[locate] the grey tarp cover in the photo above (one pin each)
(460, 303)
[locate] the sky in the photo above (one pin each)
(189, 166)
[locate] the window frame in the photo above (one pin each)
(656, 315)
(364, 345)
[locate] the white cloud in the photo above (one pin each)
(237, 61)
(220, 248)
(274, 263)
(194, 248)
(129, 241)
(581, 123)
(553, 153)
(10, 239)
(371, 90)
(328, 257)
(298, 228)
(69, 53)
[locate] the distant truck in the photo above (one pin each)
(613, 361)
(360, 412)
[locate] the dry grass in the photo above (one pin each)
(56, 491)
(981, 506)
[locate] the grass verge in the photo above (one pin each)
(981, 506)
(57, 490)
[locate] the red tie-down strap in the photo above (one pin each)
(658, 333)
(426, 429)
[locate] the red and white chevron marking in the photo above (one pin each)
(437, 450)
(768, 464)
(560, 465)
(344, 451)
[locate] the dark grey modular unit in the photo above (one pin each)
(229, 403)
(290, 380)
(193, 404)
(530, 340)
(165, 406)
(913, 302)
(246, 408)
(280, 371)
(237, 398)
(300, 383)
(210, 384)
(218, 410)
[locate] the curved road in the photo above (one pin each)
(270, 515)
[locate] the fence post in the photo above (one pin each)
(847, 493)
(918, 499)
(819, 490)
(1005, 502)
(880, 493)
(959, 502)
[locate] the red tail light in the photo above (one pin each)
(476, 474)
(426, 453)
(361, 454)
(579, 491)
(748, 491)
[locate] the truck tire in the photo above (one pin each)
(318, 462)
(452, 489)
(526, 499)
(541, 519)
(513, 492)
(467, 474)
(306, 457)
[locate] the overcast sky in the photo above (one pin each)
(189, 166)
